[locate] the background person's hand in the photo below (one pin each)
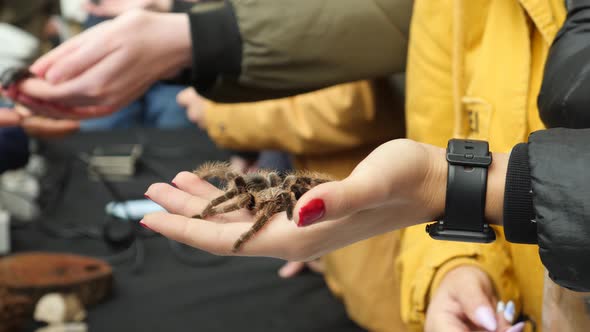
(465, 301)
(292, 269)
(108, 66)
(112, 8)
(8, 118)
(46, 128)
(194, 105)
(37, 126)
(401, 183)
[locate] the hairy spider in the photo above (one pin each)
(263, 192)
(12, 75)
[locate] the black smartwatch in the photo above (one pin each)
(464, 218)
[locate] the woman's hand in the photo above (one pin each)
(401, 183)
(465, 301)
(37, 126)
(106, 67)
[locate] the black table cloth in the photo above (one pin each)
(174, 288)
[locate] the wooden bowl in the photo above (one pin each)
(35, 274)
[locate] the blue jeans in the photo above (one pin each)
(14, 146)
(156, 109)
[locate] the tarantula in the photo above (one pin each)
(263, 192)
(12, 75)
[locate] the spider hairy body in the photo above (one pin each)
(264, 192)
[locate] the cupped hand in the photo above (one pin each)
(465, 301)
(37, 126)
(392, 188)
(107, 66)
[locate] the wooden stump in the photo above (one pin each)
(36, 274)
(14, 311)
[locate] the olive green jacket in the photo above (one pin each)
(247, 50)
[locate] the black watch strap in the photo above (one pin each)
(464, 218)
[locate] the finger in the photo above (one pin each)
(192, 184)
(175, 201)
(291, 269)
(445, 316)
(49, 128)
(77, 61)
(8, 118)
(206, 235)
(42, 90)
(58, 111)
(40, 67)
(503, 324)
(477, 305)
(509, 312)
(519, 327)
(184, 97)
(103, 84)
(334, 200)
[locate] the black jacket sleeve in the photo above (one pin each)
(564, 98)
(547, 201)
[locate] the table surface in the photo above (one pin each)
(194, 291)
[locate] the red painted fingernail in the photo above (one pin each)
(174, 185)
(312, 212)
(147, 197)
(145, 226)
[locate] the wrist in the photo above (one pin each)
(178, 50)
(435, 185)
(435, 182)
(495, 188)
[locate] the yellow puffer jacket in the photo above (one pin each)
(474, 71)
(331, 131)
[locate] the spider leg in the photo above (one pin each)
(220, 170)
(221, 199)
(262, 217)
(289, 181)
(242, 201)
(290, 205)
(240, 188)
(274, 179)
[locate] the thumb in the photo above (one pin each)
(291, 269)
(185, 97)
(337, 199)
(476, 301)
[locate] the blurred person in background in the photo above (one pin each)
(158, 107)
(23, 27)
